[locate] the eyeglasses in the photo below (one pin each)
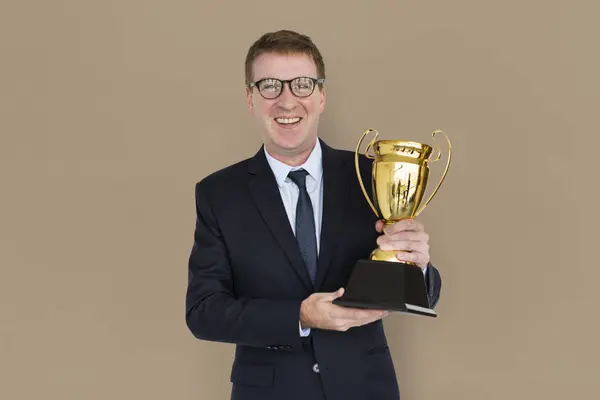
(271, 88)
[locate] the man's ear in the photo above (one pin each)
(249, 102)
(323, 99)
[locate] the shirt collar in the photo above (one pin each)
(313, 165)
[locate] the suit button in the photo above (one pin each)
(315, 368)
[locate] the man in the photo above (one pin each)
(276, 238)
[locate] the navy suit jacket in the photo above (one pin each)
(247, 281)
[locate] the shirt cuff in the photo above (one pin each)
(303, 332)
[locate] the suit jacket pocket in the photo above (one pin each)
(379, 374)
(379, 366)
(259, 375)
(378, 349)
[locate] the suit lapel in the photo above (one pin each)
(336, 197)
(264, 190)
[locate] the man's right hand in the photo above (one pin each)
(317, 311)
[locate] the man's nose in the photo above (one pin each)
(287, 98)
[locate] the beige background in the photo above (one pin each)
(110, 111)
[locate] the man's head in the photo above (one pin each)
(288, 113)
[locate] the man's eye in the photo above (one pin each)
(270, 85)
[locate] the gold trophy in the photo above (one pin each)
(400, 175)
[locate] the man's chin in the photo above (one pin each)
(291, 147)
(290, 143)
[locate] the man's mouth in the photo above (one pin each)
(288, 122)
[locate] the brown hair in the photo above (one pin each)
(284, 42)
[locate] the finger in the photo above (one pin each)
(416, 257)
(369, 321)
(379, 226)
(405, 245)
(408, 224)
(369, 315)
(348, 314)
(344, 325)
(415, 236)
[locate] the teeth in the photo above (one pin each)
(287, 120)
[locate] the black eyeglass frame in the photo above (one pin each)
(315, 81)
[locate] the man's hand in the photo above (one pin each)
(408, 238)
(317, 311)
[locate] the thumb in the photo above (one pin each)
(336, 294)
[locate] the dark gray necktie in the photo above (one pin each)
(305, 224)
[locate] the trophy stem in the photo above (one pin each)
(392, 222)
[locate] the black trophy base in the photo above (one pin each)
(385, 285)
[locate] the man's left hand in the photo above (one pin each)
(408, 238)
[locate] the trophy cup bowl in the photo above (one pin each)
(399, 178)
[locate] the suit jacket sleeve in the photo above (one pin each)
(213, 311)
(433, 282)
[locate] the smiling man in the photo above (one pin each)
(276, 238)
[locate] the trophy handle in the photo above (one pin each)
(362, 185)
(439, 153)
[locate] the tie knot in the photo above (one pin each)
(299, 177)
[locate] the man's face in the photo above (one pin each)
(289, 123)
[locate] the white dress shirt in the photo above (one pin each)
(289, 192)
